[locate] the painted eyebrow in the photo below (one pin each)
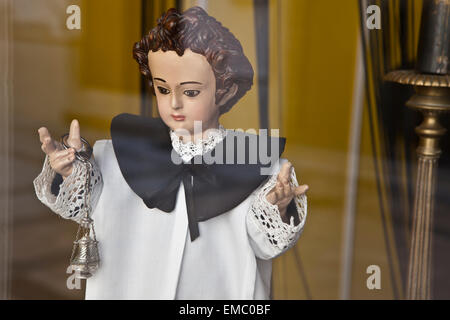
(190, 82)
(182, 83)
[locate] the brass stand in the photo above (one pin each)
(432, 85)
(432, 98)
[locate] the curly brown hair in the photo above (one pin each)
(194, 29)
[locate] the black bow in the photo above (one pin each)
(148, 163)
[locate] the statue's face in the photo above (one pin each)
(185, 89)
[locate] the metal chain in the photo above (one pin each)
(87, 194)
(87, 197)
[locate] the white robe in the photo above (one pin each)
(147, 253)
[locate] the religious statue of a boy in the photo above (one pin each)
(181, 212)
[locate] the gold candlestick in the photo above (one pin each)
(432, 98)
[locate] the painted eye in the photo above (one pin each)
(163, 90)
(192, 93)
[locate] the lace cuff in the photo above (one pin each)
(265, 218)
(70, 199)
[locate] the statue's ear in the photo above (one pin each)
(228, 95)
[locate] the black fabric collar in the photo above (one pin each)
(143, 149)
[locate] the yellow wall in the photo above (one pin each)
(319, 46)
(369, 245)
(319, 40)
(108, 76)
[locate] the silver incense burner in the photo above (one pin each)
(85, 257)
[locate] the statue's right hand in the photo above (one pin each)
(61, 160)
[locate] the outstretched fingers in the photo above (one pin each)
(285, 172)
(301, 189)
(74, 135)
(48, 144)
(283, 181)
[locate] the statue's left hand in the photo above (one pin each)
(283, 193)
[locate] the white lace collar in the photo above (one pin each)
(190, 149)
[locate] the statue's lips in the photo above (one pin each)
(178, 117)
